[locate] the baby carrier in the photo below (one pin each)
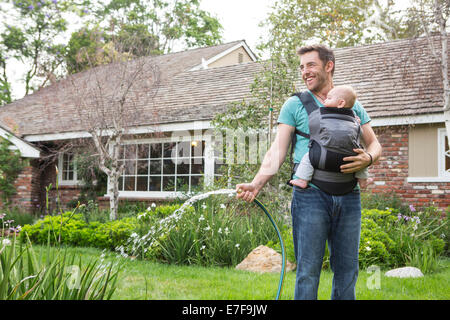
(334, 133)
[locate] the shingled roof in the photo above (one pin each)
(392, 79)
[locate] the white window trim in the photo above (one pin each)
(61, 182)
(442, 175)
(176, 137)
(442, 133)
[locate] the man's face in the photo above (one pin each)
(313, 71)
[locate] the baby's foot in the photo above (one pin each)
(299, 183)
(363, 183)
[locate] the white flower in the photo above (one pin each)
(250, 231)
(6, 242)
(153, 205)
(222, 206)
(203, 206)
(207, 228)
(201, 218)
(220, 230)
(203, 248)
(368, 248)
(237, 245)
(227, 231)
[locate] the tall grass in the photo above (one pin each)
(55, 275)
(52, 275)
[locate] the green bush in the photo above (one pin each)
(72, 229)
(375, 242)
(215, 232)
(286, 234)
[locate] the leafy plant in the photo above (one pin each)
(11, 164)
(54, 276)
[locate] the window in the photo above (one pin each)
(67, 169)
(443, 153)
(163, 166)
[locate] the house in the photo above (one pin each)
(397, 82)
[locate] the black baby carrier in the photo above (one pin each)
(334, 133)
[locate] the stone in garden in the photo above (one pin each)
(406, 272)
(264, 259)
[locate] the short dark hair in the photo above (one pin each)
(325, 53)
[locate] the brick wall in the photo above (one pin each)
(390, 173)
(27, 187)
(66, 193)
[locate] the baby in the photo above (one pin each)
(338, 97)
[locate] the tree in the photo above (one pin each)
(11, 164)
(30, 34)
(168, 21)
(158, 25)
(107, 99)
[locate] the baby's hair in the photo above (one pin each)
(348, 94)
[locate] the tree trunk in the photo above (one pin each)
(114, 195)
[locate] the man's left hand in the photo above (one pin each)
(358, 162)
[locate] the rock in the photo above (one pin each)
(406, 272)
(264, 259)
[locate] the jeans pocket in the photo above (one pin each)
(298, 189)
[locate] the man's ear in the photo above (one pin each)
(329, 66)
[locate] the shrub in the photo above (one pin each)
(209, 233)
(419, 238)
(286, 234)
(375, 242)
(72, 229)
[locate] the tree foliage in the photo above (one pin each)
(11, 164)
(157, 25)
(35, 34)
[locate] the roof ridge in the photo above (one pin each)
(202, 48)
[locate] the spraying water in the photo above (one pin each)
(145, 242)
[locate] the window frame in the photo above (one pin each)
(208, 169)
(61, 181)
(442, 134)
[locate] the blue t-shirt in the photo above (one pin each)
(294, 114)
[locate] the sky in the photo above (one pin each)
(240, 18)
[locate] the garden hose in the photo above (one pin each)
(283, 251)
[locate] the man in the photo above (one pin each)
(318, 217)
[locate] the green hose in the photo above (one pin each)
(283, 253)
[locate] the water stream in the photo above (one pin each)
(135, 242)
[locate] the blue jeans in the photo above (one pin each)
(318, 217)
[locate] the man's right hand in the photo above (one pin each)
(246, 192)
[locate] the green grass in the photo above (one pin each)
(149, 280)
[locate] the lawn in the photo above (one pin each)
(154, 281)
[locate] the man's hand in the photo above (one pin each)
(246, 192)
(360, 161)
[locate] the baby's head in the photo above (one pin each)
(340, 97)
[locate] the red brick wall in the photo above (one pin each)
(66, 193)
(27, 187)
(390, 173)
